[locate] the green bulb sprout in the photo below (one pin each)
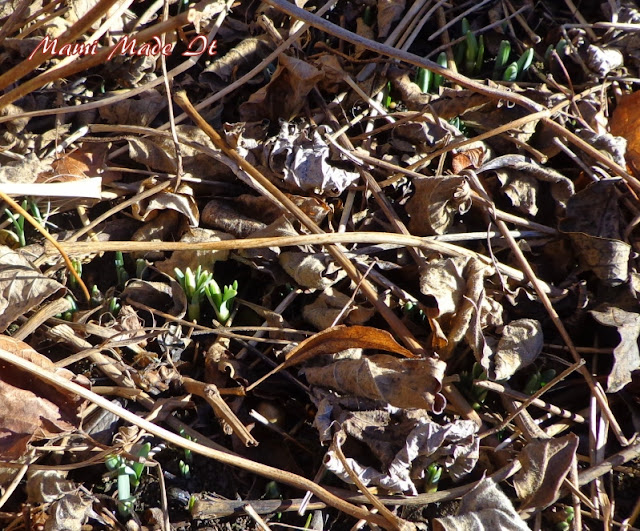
(121, 272)
(17, 220)
(221, 300)
(193, 285)
(129, 474)
(434, 473)
(538, 380)
(476, 395)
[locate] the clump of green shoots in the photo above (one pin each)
(201, 284)
(511, 71)
(429, 82)
(221, 300)
(565, 525)
(538, 380)
(17, 220)
(121, 272)
(434, 473)
(469, 54)
(129, 474)
(193, 285)
(476, 395)
(73, 308)
(185, 469)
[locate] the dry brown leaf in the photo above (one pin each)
(236, 62)
(200, 257)
(222, 216)
(22, 287)
(322, 312)
(295, 78)
(159, 153)
(593, 224)
(333, 74)
(484, 508)
(168, 298)
(399, 382)
(519, 346)
(340, 338)
(626, 353)
(545, 464)
(389, 11)
(435, 203)
(140, 110)
(32, 409)
(311, 270)
(300, 155)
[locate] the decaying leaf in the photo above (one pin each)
(193, 259)
(453, 446)
(603, 60)
(141, 110)
(311, 270)
(158, 295)
(399, 382)
(22, 287)
(484, 508)
(389, 11)
(519, 346)
(545, 464)
(31, 409)
(222, 216)
(301, 156)
(593, 224)
(236, 62)
(322, 312)
(519, 177)
(182, 202)
(295, 78)
(435, 203)
(159, 153)
(627, 355)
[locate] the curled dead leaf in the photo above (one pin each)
(435, 203)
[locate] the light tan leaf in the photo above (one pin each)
(484, 508)
(545, 464)
(399, 382)
(435, 203)
(22, 287)
(193, 259)
(519, 346)
(322, 312)
(31, 409)
(311, 270)
(626, 353)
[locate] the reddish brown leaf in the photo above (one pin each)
(30, 408)
(625, 122)
(340, 338)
